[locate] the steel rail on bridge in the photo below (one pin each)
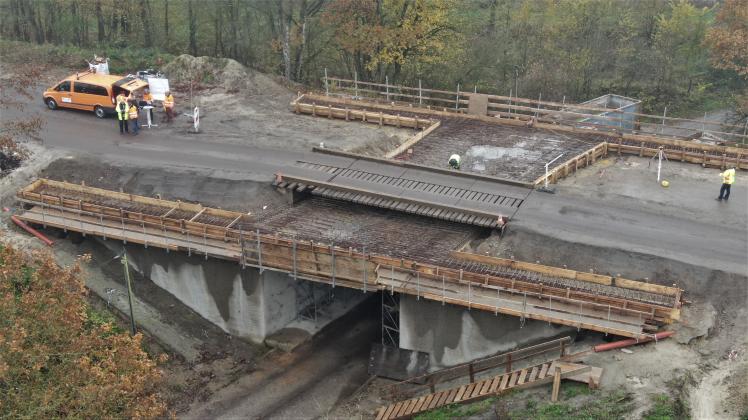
(209, 232)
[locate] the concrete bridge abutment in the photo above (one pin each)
(243, 302)
(453, 335)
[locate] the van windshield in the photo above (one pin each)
(63, 87)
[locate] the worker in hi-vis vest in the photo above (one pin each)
(454, 161)
(133, 117)
(169, 106)
(123, 111)
(728, 177)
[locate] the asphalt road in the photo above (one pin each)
(641, 227)
(164, 146)
(572, 215)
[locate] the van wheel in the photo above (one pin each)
(99, 111)
(51, 104)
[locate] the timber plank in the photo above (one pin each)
(435, 400)
(543, 370)
(477, 389)
(513, 380)
(408, 407)
(419, 403)
(486, 385)
(460, 393)
(451, 396)
(380, 413)
(425, 405)
(504, 382)
(396, 409)
(522, 375)
(533, 374)
(388, 412)
(468, 391)
(443, 398)
(495, 384)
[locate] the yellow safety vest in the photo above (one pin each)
(169, 101)
(122, 115)
(133, 112)
(728, 176)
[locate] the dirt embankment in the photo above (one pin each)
(705, 365)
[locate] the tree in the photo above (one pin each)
(678, 40)
(192, 24)
(382, 36)
(57, 358)
(728, 39)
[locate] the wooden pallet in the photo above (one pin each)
(474, 391)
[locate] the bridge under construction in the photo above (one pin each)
(529, 291)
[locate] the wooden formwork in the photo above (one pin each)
(457, 102)
(209, 232)
(707, 155)
(379, 118)
(571, 166)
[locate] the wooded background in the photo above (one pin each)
(688, 55)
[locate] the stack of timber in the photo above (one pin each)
(215, 233)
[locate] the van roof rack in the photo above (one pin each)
(78, 74)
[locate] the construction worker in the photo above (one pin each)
(121, 97)
(133, 117)
(454, 161)
(123, 111)
(148, 99)
(728, 177)
(169, 106)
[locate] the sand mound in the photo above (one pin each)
(221, 72)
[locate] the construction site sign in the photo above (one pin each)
(158, 87)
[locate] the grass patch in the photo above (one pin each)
(97, 318)
(666, 408)
(458, 410)
(574, 389)
(616, 405)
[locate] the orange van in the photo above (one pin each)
(91, 92)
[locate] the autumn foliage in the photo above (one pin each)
(728, 39)
(56, 360)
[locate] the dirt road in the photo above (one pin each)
(306, 383)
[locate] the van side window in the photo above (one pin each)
(64, 86)
(79, 87)
(97, 90)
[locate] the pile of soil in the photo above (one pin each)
(221, 72)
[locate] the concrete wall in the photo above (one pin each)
(455, 335)
(244, 303)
